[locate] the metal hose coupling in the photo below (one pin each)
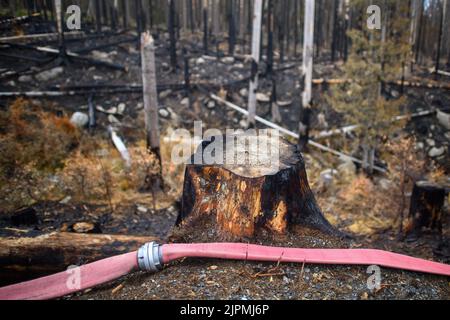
(150, 257)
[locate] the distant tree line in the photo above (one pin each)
(231, 20)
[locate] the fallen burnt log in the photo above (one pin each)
(70, 55)
(104, 46)
(262, 184)
(87, 90)
(42, 254)
(44, 37)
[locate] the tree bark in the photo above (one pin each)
(98, 14)
(256, 38)
(438, 49)
(25, 258)
(426, 208)
(308, 48)
(216, 18)
(231, 27)
(268, 189)
(150, 92)
(171, 27)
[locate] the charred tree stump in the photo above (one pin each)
(243, 199)
(426, 208)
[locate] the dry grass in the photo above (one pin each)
(46, 158)
(33, 148)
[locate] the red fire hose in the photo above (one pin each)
(152, 257)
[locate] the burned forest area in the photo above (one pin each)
(115, 123)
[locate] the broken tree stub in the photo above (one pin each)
(254, 182)
(426, 207)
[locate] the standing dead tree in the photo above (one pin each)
(307, 66)
(171, 27)
(256, 38)
(231, 26)
(150, 105)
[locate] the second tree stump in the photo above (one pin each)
(246, 197)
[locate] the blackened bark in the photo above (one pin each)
(426, 208)
(171, 27)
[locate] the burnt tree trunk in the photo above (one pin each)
(172, 40)
(426, 208)
(248, 197)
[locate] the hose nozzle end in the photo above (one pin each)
(150, 257)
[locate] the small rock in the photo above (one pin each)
(185, 101)
(212, 267)
(200, 61)
(243, 92)
(66, 200)
(395, 94)
(79, 119)
(49, 74)
(25, 78)
(121, 108)
(436, 152)
(113, 120)
(164, 94)
(211, 104)
(443, 118)
(261, 97)
(430, 142)
(326, 176)
(239, 66)
(85, 227)
(228, 60)
(447, 135)
(142, 209)
(243, 123)
(175, 118)
(112, 110)
(163, 113)
(420, 146)
(99, 55)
